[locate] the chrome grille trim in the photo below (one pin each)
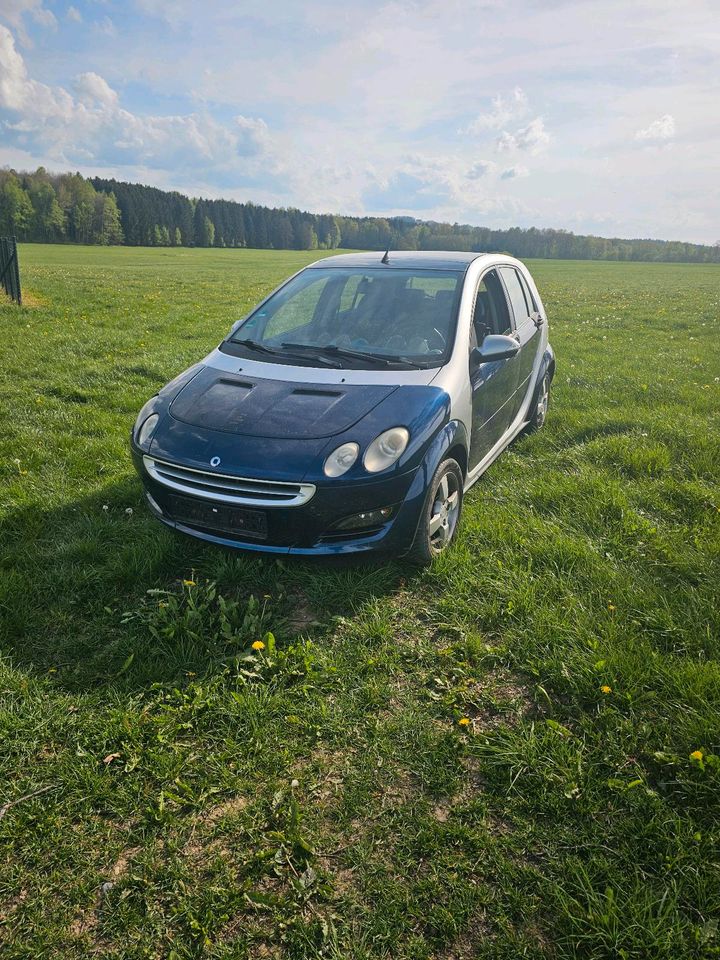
(228, 489)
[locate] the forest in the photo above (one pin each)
(69, 208)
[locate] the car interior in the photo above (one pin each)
(491, 313)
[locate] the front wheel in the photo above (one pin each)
(440, 514)
(539, 408)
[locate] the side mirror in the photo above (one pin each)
(495, 346)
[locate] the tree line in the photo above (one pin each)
(57, 208)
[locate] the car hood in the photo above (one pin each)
(276, 409)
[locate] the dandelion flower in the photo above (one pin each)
(129, 511)
(611, 606)
(464, 722)
(696, 755)
(258, 645)
(189, 583)
(605, 688)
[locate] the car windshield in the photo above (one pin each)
(369, 317)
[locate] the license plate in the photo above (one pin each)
(220, 517)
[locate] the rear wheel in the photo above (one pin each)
(541, 402)
(440, 514)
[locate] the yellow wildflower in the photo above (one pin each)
(258, 645)
(611, 607)
(464, 722)
(605, 688)
(189, 583)
(696, 755)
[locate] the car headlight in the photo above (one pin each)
(147, 430)
(341, 459)
(385, 449)
(146, 422)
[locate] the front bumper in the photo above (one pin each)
(310, 529)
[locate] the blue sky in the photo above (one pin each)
(599, 116)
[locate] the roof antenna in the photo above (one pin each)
(386, 257)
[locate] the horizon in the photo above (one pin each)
(336, 213)
(594, 118)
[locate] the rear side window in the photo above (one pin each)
(520, 308)
(531, 305)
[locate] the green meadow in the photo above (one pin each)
(514, 753)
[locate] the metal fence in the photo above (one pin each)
(9, 268)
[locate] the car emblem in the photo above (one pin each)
(215, 462)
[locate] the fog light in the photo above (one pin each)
(369, 518)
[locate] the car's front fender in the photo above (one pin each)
(547, 364)
(450, 439)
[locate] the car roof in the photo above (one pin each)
(407, 259)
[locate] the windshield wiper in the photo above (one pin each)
(254, 345)
(261, 348)
(334, 350)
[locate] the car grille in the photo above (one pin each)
(228, 489)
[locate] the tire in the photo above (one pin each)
(440, 514)
(540, 404)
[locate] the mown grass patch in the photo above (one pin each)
(511, 754)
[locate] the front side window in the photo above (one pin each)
(490, 314)
(357, 317)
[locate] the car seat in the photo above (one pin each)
(482, 318)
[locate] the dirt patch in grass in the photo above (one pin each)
(465, 947)
(228, 808)
(32, 300)
(120, 867)
(303, 617)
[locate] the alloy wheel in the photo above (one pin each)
(444, 513)
(542, 403)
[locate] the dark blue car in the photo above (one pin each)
(351, 410)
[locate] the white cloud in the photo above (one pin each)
(92, 89)
(91, 126)
(13, 12)
(510, 173)
(661, 129)
(530, 139)
(74, 14)
(481, 168)
(106, 27)
(504, 111)
(45, 17)
(253, 136)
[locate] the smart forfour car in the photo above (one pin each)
(351, 410)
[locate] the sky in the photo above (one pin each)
(596, 116)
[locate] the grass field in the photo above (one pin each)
(321, 797)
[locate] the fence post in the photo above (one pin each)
(10, 268)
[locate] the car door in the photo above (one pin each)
(493, 384)
(526, 330)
